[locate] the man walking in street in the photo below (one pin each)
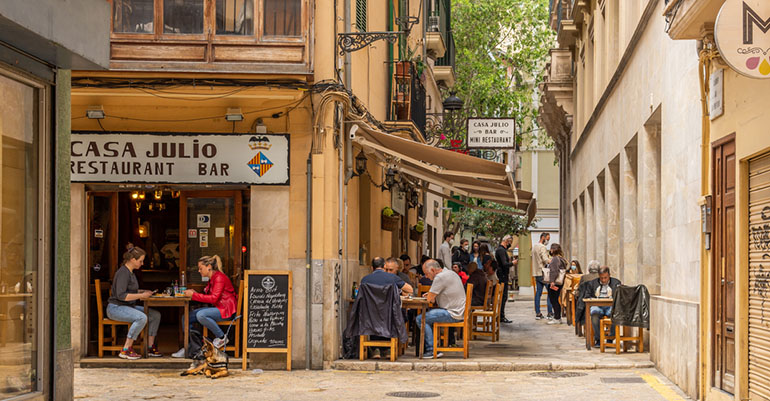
(445, 250)
(540, 259)
(504, 265)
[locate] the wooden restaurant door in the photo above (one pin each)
(210, 224)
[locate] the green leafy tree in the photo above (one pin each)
(488, 223)
(502, 48)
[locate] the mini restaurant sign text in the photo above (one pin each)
(742, 33)
(184, 159)
(491, 133)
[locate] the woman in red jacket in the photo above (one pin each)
(220, 293)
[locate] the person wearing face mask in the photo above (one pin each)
(571, 282)
(445, 250)
(540, 260)
(462, 255)
(475, 254)
(504, 265)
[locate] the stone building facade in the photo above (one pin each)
(630, 175)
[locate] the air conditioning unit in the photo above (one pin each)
(433, 23)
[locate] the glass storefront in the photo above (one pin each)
(19, 237)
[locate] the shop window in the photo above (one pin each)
(235, 17)
(183, 16)
(133, 16)
(19, 238)
(282, 17)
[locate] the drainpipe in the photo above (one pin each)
(308, 261)
(342, 206)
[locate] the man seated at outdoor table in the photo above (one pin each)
(490, 266)
(479, 281)
(601, 287)
(448, 295)
(381, 277)
(392, 266)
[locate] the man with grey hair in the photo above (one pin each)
(448, 294)
(593, 271)
(504, 265)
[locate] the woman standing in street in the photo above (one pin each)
(557, 269)
(122, 306)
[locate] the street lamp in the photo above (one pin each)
(390, 178)
(360, 164)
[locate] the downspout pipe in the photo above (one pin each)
(308, 262)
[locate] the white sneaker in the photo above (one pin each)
(554, 321)
(219, 342)
(178, 354)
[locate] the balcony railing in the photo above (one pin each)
(440, 20)
(449, 56)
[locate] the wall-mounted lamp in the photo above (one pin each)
(414, 198)
(95, 112)
(390, 178)
(360, 164)
(234, 114)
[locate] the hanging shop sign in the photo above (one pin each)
(491, 133)
(259, 159)
(742, 33)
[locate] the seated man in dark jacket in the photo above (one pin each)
(380, 277)
(601, 287)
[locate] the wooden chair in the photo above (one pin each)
(237, 351)
(422, 289)
(464, 325)
(489, 326)
(625, 338)
(487, 295)
(103, 321)
(364, 343)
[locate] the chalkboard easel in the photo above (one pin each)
(267, 313)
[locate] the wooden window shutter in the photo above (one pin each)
(361, 15)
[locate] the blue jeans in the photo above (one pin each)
(538, 293)
(208, 317)
(434, 316)
(135, 315)
(597, 313)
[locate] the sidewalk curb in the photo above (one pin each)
(485, 366)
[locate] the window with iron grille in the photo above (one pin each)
(361, 15)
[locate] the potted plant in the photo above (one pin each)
(389, 219)
(415, 233)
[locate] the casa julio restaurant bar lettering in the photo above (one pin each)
(173, 158)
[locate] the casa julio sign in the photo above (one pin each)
(491, 133)
(742, 34)
(179, 158)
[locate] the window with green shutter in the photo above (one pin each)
(361, 15)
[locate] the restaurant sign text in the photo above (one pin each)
(742, 33)
(180, 158)
(491, 133)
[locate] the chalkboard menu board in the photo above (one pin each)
(267, 313)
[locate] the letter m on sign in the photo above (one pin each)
(750, 17)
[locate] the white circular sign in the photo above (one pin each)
(268, 283)
(742, 33)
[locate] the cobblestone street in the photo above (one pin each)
(605, 385)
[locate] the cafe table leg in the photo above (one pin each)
(186, 324)
(422, 333)
(588, 329)
(145, 340)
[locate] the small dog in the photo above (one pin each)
(213, 364)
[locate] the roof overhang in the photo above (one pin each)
(462, 174)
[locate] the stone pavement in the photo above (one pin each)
(301, 385)
(525, 345)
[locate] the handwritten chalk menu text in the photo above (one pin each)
(267, 313)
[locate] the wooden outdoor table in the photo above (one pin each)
(589, 328)
(166, 301)
(420, 304)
